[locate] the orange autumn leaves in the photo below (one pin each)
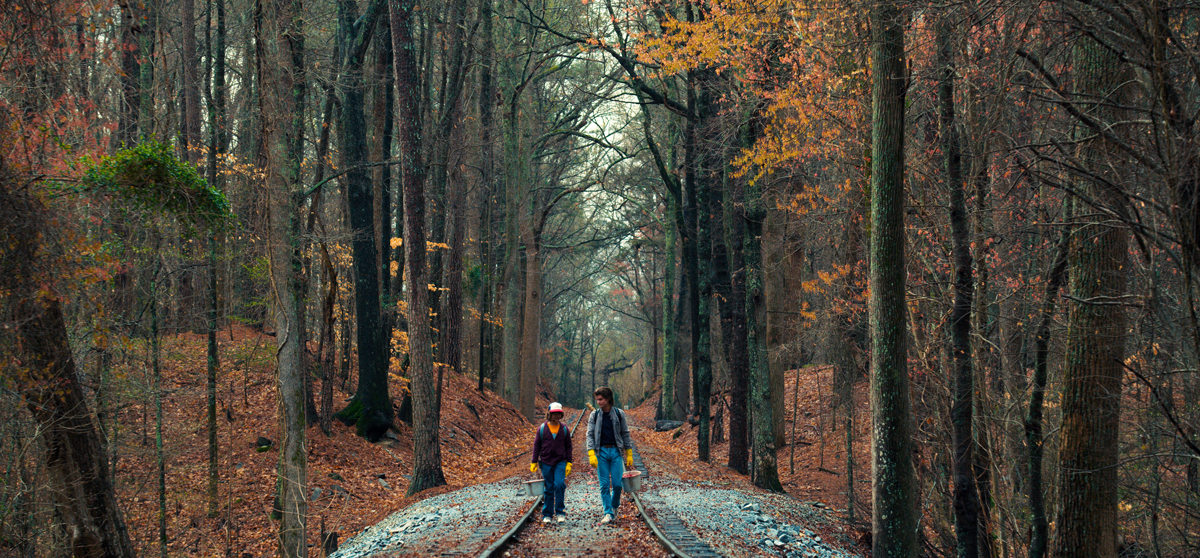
(796, 67)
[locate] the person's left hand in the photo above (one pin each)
(568, 473)
(629, 459)
(533, 467)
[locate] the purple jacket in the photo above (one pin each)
(549, 449)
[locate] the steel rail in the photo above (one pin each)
(524, 520)
(662, 537)
(506, 537)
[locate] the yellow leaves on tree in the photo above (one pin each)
(796, 66)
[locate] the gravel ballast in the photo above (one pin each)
(439, 522)
(733, 522)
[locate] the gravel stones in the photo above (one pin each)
(736, 523)
(439, 520)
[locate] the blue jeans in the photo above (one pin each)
(610, 467)
(556, 488)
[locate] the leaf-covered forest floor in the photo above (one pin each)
(354, 483)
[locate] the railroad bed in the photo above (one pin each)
(667, 518)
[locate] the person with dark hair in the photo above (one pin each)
(552, 452)
(610, 450)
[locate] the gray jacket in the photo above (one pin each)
(620, 428)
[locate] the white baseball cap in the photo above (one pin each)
(555, 408)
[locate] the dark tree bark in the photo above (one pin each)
(427, 461)
(280, 40)
(75, 460)
(1040, 537)
(487, 185)
(190, 62)
(1091, 396)
(708, 194)
(739, 351)
(127, 123)
(765, 465)
(894, 521)
(456, 194)
(384, 122)
(216, 147)
(966, 500)
(371, 408)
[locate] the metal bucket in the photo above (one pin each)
(535, 487)
(632, 481)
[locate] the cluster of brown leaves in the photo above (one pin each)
(817, 440)
(483, 439)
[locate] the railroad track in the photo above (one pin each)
(638, 531)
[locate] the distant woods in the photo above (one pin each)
(984, 215)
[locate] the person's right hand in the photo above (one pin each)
(592, 458)
(533, 467)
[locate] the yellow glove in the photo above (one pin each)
(592, 458)
(568, 473)
(533, 467)
(629, 459)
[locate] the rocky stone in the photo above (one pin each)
(665, 425)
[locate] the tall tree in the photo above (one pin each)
(371, 408)
(76, 464)
(190, 66)
(487, 184)
(966, 501)
(766, 466)
(427, 461)
(739, 350)
(216, 147)
(894, 517)
(132, 27)
(452, 132)
(1093, 364)
(710, 178)
(1039, 540)
(280, 40)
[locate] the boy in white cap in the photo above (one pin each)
(552, 451)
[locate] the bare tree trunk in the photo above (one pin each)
(739, 352)
(155, 350)
(966, 499)
(131, 29)
(517, 174)
(531, 331)
(766, 466)
(783, 265)
(384, 122)
(456, 196)
(216, 147)
(279, 39)
(894, 513)
(427, 462)
(487, 185)
(371, 409)
(671, 314)
(1091, 398)
(1040, 537)
(75, 460)
(190, 63)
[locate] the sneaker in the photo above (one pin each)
(546, 519)
(560, 518)
(607, 519)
